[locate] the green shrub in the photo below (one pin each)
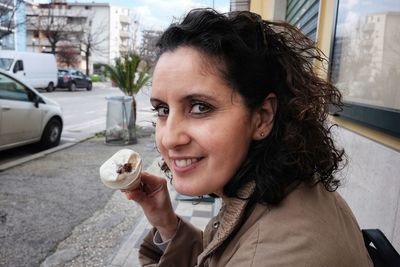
(95, 78)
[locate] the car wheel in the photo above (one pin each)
(50, 87)
(52, 134)
(89, 87)
(72, 87)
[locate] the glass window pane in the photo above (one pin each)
(366, 53)
(12, 90)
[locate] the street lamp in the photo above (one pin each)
(33, 44)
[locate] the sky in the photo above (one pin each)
(158, 14)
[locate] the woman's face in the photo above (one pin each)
(203, 128)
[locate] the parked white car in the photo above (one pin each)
(26, 116)
(38, 70)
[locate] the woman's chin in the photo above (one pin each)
(187, 190)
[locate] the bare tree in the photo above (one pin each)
(148, 50)
(8, 10)
(91, 40)
(68, 55)
(54, 22)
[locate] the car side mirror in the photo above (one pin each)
(36, 100)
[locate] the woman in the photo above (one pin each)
(242, 115)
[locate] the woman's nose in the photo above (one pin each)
(175, 132)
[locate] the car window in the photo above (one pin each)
(62, 72)
(12, 90)
(19, 65)
(5, 63)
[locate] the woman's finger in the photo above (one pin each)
(152, 183)
(135, 195)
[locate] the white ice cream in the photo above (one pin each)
(126, 180)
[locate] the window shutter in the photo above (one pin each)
(304, 15)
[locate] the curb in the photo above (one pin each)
(41, 154)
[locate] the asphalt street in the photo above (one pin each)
(42, 201)
(84, 114)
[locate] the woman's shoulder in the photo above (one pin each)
(312, 225)
(309, 208)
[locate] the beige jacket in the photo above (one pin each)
(310, 227)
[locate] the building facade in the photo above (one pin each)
(49, 26)
(113, 31)
(12, 25)
(362, 44)
(70, 28)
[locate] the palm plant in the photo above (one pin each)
(129, 76)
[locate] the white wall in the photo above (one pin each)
(371, 184)
(114, 33)
(101, 20)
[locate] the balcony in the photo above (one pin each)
(6, 6)
(124, 19)
(124, 34)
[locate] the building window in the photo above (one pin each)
(365, 62)
(76, 20)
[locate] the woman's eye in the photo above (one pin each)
(161, 111)
(200, 108)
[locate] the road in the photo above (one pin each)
(43, 200)
(84, 115)
(85, 111)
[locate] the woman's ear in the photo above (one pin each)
(264, 117)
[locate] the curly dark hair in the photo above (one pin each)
(259, 57)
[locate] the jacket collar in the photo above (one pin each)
(228, 220)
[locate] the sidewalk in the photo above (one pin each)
(112, 235)
(198, 213)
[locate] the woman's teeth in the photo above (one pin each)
(184, 162)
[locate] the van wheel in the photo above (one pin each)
(52, 134)
(89, 87)
(72, 87)
(50, 87)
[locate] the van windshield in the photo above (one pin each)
(5, 63)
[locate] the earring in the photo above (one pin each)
(262, 134)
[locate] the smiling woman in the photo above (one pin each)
(242, 116)
(192, 108)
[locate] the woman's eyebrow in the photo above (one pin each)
(155, 101)
(201, 97)
(186, 98)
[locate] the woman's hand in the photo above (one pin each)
(153, 197)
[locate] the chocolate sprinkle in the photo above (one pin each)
(127, 167)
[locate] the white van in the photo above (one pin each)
(39, 70)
